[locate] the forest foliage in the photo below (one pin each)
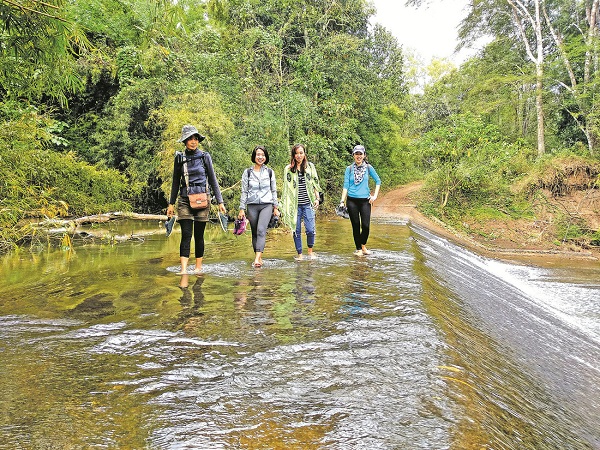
(93, 95)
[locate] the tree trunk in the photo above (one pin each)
(586, 124)
(539, 106)
(539, 87)
(523, 19)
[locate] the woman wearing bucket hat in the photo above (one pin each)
(300, 198)
(357, 196)
(193, 172)
(259, 200)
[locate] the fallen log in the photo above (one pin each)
(105, 235)
(76, 229)
(97, 218)
(56, 229)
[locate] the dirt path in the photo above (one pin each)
(399, 204)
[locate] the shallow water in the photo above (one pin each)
(420, 345)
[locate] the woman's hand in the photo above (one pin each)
(170, 211)
(222, 208)
(276, 211)
(241, 214)
(372, 199)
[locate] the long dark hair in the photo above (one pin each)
(302, 167)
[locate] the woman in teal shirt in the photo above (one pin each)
(357, 196)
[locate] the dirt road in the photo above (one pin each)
(400, 204)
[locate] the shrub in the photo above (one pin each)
(41, 182)
(468, 163)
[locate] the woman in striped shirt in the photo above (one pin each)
(300, 198)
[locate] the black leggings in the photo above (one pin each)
(186, 237)
(359, 210)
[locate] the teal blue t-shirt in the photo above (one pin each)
(360, 190)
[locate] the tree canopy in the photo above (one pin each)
(103, 87)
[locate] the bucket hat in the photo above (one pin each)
(189, 130)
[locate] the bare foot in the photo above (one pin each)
(299, 257)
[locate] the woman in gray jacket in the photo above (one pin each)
(259, 200)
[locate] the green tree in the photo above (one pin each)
(39, 46)
(310, 73)
(496, 85)
(37, 181)
(575, 38)
(523, 22)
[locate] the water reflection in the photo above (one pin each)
(305, 288)
(355, 301)
(191, 301)
(254, 296)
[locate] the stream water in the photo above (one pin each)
(422, 345)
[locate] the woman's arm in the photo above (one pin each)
(286, 185)
(212, 177)
(347, 174)
(373, 197)
(274, 190)
(344, 196)
(346, 185)
(244, 196)
(175, 185)
(374, 175)
(214, 183)
(316, 185)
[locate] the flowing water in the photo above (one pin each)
(422, 345)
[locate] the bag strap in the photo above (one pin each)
(183, 162)
(249, 171)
